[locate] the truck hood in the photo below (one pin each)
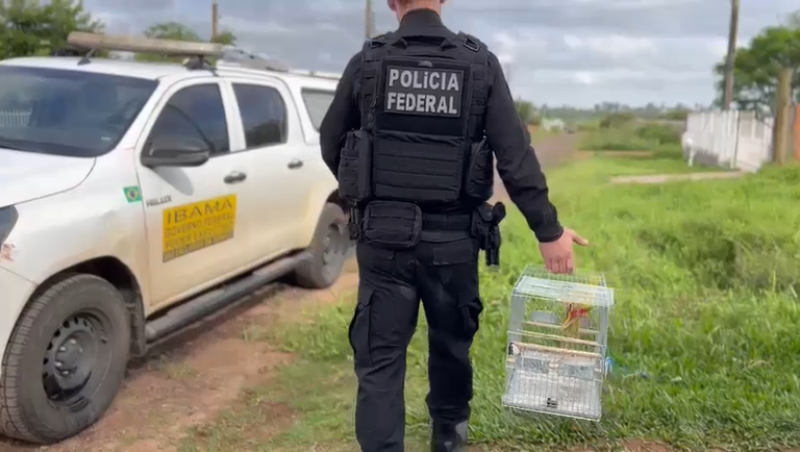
(25, 176)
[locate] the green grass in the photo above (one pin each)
(707, 282)
(633, 164)
(648, 137)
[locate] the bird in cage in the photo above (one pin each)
(572, 323)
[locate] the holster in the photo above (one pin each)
(486, 228)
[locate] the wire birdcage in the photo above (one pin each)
(556, 348)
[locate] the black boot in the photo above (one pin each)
(449, 438)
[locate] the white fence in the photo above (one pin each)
(731, 139)
(14, 118)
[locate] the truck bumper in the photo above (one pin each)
(14, 294)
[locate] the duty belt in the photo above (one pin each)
(446, 222)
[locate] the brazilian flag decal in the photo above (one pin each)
(133, 194)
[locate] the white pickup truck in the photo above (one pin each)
(136, 198)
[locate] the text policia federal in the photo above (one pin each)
(429, 92)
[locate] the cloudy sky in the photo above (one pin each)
(576, 52)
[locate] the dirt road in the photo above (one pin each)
(550, 151)
(188, 381)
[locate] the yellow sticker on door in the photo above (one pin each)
(192, 227)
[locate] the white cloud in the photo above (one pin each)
(584, 78)
(507, 46)
(618, 46)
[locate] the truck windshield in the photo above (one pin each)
(64, 112)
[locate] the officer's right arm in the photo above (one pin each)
(343, 116)
(516, 161)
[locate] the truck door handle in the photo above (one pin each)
(295, 163)
(235, 177)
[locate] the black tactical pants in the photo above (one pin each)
(445, 277)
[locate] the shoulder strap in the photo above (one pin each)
(371, 54)
(477, 53)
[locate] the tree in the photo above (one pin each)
(171, 30)
(756, 68)
(793, 21)
(526, 111)
(28, 27)
(225, 37)
(179, 32)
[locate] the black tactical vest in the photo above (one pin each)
(423, 110)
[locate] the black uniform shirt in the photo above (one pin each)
(508, 137)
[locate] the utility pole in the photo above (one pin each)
(369, 20)
(733, 31)
(214, 20)
(783, 116)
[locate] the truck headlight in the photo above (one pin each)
(8, 218)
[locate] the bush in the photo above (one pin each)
(649, 137)
(660, 133)
(617, 120)
(678, 114)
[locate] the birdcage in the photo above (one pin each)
(556, 349)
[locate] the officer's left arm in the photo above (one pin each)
(516, 160)
(343, 116)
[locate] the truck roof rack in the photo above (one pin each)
(198, 53)
(96, 41)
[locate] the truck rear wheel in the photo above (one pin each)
(65, 361)
(329, 250)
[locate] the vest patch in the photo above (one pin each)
(426, 92)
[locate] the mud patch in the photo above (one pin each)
(645, 446)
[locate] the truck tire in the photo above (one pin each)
(328, 249)
(65, 360)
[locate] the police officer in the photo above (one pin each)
(410, 135)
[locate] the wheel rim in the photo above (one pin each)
(334, 248)
(79, 348)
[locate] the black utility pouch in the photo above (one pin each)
(392, 225)
(355, 167)
(479, 180)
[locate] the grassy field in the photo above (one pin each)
(704, 333)
(630, 163)
(632, 137)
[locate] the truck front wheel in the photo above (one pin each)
(328, 249)
(65, 361)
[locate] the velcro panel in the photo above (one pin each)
(417, 166)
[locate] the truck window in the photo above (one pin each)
(66, 112)
(317, 103)
(263, 114)
(196, 111)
